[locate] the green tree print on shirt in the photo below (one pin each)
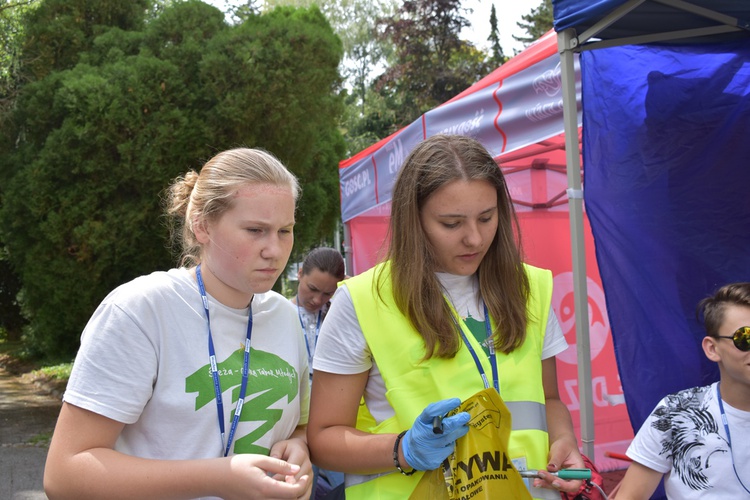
(270, 379)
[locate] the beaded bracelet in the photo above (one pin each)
(395, 457)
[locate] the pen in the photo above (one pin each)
(562, 474)
(437, 425)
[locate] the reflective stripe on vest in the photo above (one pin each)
(527, 415)
(411, 383)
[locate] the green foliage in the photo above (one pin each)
(58, 31)
(11, 38)
(55, 372)
(242, 11)
(11, 29)
(431, 63)
(14, 352)
(11, 319)
(102, 132)
(363, 128)
(292, 55)
(536, 23)
(497, 56)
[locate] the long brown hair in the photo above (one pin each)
(503, 283)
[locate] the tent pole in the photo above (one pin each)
(337, 236)
(566, 41)
(348, 254)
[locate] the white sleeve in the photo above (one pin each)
(554, 339)
(115, 368)
(341, 347)
(646, 445)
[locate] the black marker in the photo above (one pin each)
(437, 425)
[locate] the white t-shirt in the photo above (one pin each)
(144, 362)
(684, 438)
(342, 348)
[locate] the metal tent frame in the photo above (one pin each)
(689, 21)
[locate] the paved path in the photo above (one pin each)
(27, 418)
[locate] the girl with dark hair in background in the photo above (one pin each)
(321, 271)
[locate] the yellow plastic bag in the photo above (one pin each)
(479, 468)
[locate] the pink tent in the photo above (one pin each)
(516, 112)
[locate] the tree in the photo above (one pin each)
(363, 49)
(241, 12)
(58, 31)
(11, 319)
(81, 214)
(283, 66)
(497, 57)
(11, 29)
(538, 22)
(354, 23)
(104, 132)
(11, 37)
(431, 63)
(364, 126)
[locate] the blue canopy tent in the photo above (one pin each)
(665, 91)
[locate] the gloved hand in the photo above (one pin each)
(425, 450)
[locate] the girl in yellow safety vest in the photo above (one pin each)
(451, 311)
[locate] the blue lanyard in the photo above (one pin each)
(490, 347)
(729, 438)
(215, 369)
(302, 323)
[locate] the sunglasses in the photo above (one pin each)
(741, 338)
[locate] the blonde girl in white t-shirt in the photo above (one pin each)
(194, 382)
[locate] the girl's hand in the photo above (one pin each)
(294, 450)
(255, 477)
(563, 454)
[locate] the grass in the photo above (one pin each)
(55, 372)
(14, 359)
(41, 439)
(53, 377)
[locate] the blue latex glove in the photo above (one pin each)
(425, 450)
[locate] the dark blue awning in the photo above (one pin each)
(650, 17)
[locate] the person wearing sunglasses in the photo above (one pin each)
(697, 438)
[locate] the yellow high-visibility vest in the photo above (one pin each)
(411, 383)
